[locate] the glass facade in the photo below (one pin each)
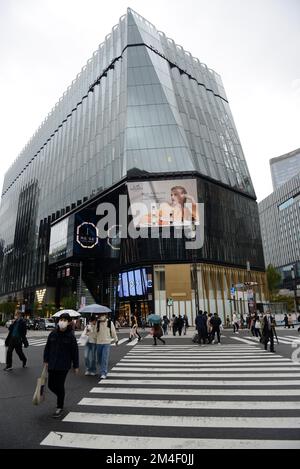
(284, 168)
(140, 102)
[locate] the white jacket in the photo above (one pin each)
(105, 334)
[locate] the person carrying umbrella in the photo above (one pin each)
(60, 353)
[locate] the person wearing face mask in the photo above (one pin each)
(105, 332)
(61, 352)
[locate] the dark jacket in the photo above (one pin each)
(216, 323)
(22, 330)
(268, 327)
(61, 350)
(200, 322)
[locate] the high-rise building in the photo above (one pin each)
(143, 118)
(279, 215)
(284, 168)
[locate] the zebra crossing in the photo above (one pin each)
(181, 397)
(286, 339)
(42, 342)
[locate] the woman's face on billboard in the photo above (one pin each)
(177, 197)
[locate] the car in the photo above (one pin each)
(45, 324)
(30, 323)
(9, 323)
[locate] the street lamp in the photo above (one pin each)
(294, 287)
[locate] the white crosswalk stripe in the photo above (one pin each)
(42, 342)
(153, 389)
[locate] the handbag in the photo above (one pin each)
(39, 393)
(83, 339)
(3, 350)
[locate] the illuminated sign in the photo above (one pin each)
(87, 235)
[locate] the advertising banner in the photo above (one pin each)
(164, 203)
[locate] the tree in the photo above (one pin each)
(69, 302)
(274, 278)
(288, 300)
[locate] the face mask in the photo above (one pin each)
(62, 324)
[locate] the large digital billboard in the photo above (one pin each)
(164, 203)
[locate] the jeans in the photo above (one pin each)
(103, 351)
(90, 357)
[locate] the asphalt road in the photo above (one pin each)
(166, 405)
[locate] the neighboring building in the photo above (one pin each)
(279, 217)
(143, 116)
(284, 168)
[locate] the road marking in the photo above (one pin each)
(94, 441)
(175, 404)
(187, 374)
(183, 421)
(198, 368)
(195, 392)
(208, 360)
(185, 382)
(245, 341)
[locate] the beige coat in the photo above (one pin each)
(105, 334)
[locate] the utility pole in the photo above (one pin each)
(294, 287)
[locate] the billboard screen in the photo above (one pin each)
(164, 203)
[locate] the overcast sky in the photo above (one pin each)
(253, 44)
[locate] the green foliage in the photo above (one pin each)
(289, 300)
(69, 302)
(8, 308)
(274, 278)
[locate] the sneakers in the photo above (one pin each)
(103, 377)
(87, 373)
(92, 373)
(8, 368)
(57, 413)
(24, 363)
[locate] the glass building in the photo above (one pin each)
(280, 225)
(142, 109)
(284, 168)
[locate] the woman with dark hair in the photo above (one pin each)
(60, 353)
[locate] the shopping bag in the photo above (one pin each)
(3, 350)
(83, 339)
(195, 338)
(39, 393)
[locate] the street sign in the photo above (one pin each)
(170, 301)
(232, 290)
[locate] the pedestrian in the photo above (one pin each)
(208, 326)
(268, 331)
(157, 334)
(90, 349)
(216, 323)
(105, 333)
(133, 331)
(15, 339)
(242, 321)
(299, 322)
(257, 327)
(201, 327)
(227, 321)
(61, 352)
(165, 325)
(174, 324)
(286, 321)
(235, 323)
(185, 324)
(290, 321)
(180, 323)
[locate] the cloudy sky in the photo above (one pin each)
(253, 44)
